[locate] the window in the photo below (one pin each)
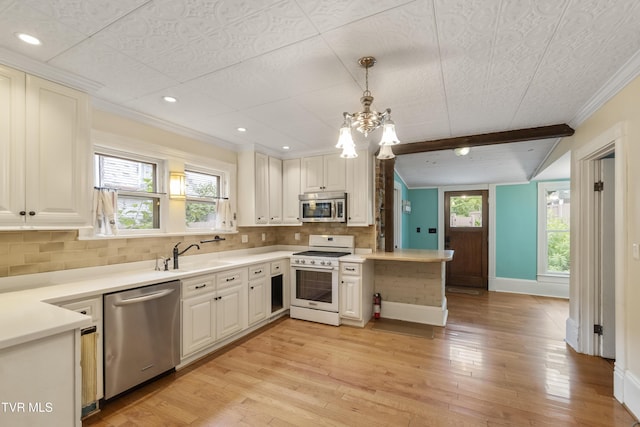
(465, 211)
(138, 194)
(554, 200)
(203, 191)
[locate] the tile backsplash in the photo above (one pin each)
(28, 252)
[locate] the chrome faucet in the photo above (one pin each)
(177, 253)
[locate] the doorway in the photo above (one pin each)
(466, 230)
(605, 267)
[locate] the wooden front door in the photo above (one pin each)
(466, 233)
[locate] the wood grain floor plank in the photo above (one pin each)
(500, 361)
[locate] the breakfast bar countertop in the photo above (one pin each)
(415, 255)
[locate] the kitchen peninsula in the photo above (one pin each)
(411, 283)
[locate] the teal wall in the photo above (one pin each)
(424, 215)
(516, 231)
(405, 216)
(516, 236)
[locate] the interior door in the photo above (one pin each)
(466, 233)
(607, 276)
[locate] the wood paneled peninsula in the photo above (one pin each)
(411, 283)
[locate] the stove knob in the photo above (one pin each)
(321, 262)
(313, 261)
(302, 261)
(297, 261)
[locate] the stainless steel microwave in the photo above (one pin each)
(323, 207)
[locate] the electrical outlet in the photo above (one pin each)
(296, 236)
(245, 238)
(264, 237)
(636, 251)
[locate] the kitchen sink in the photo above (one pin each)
(200, 266)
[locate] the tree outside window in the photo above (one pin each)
(203, 191)
(554, 235)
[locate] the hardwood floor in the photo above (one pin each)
(501, 360)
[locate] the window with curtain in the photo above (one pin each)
(137, 183)
(554, 207)
(202, 199)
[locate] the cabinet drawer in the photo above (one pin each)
(277, 267)
(90, 307)
(198, 285)
(350, 268)
(256, 271)
(229, 278)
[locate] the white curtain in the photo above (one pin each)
(224, 219)
(105, 207)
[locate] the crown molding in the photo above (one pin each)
(629, 71)
(106, 106)
(48, 72)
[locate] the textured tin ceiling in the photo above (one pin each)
(287, 69)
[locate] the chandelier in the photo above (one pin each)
(366, 121)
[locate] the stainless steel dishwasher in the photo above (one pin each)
(141, 335)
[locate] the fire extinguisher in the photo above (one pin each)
(377, 302)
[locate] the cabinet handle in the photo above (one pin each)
(83, 312)
(350, 269)
(32, 213)
(201, 286)
(251, 288)
(23, 213)
(257, 272)
(230, 279)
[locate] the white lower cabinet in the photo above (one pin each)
(213, 308)
(258, 307)
(356, 292)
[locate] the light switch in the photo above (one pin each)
(296, 236)
(245, 238)
(635, 251)
(264, 236)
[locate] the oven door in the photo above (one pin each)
(315, 288)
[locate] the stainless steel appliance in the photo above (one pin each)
(314, 276)
(323, 207)
(141, 335)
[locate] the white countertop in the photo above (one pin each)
(27, 315)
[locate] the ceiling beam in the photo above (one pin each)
(519, 135)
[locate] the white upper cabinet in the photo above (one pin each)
(44, 142)
(360, 190)
(290, 191)
(260, 189)
(275, 191)
(323, 173)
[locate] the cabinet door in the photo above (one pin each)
(290, 191)
(262, 189)
(312, 174)
(257, 300)
(359, 184)
(12, 125)
(198, 323)
(350, 300)
(275, 191)
(334, 173)
(231, 310)
(57, 143)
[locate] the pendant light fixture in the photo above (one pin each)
(366, 121)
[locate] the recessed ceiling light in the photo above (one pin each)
(170, 99)
(242, 129)
(286, 147)
(28, 38)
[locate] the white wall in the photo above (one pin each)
(621, 112)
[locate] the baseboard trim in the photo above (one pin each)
(631, 394)
(572, 333)
(429, 315)
(529, 287)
